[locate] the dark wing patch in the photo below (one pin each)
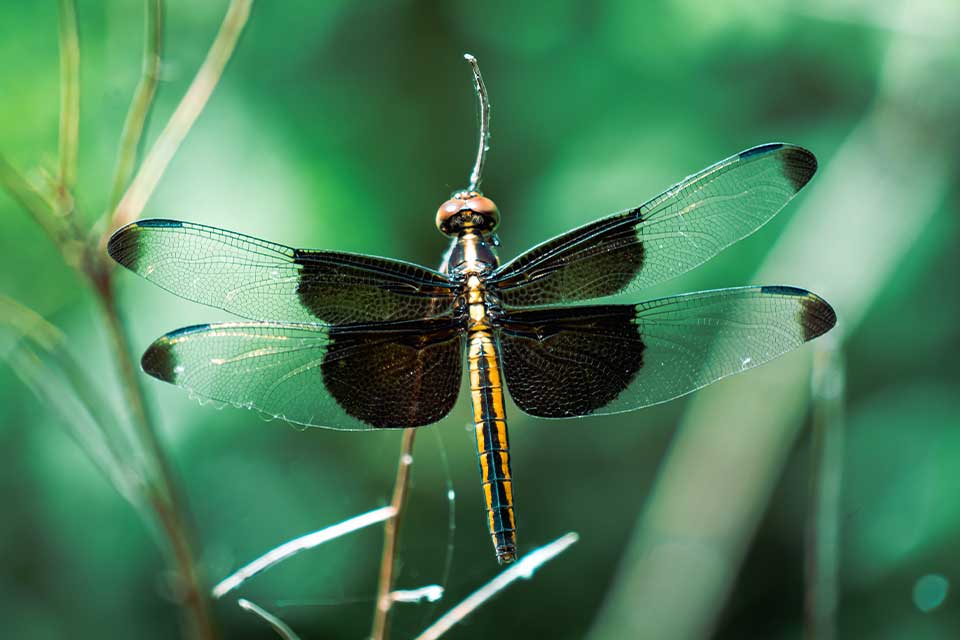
(603, 258)
(570, 361)
(600, 359)
(678, 230)
(799, 165)
(815, 316)
(262, 280)
(403, 374)
(407, 376)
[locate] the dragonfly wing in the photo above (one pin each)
(382, 375)
(261, 280)
(599, 359)
(678, 230)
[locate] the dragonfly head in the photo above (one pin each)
(467, 210)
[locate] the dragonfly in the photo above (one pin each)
(352, 341)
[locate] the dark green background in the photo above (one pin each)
(344, 125)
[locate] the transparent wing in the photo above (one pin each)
(683, 227)
(404, 374)
(260, 280)
(598, 359)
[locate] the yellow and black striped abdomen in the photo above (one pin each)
(486, 392)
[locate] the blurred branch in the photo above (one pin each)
(32, 201)
(186, 113)
(69, 104)
(861, 218)
(142, 102)
(823, 508)
(38, 355)
(278, 625)
(163, 492)
(165, 495)
(524, 568)
(391, 539)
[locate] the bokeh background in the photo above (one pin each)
(343, 125)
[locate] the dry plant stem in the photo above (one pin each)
(186, 113)
(391, 535)
(193, 598)
(142, 101)
(162, 491)
(69, 104)
(32, 201)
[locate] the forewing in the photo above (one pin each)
(404, 374)
(260, 280)
(599, 359)
(683, 227)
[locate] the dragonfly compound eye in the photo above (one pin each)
(467, 210)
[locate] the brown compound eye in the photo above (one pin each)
(481, 205)
(467, 210)
(446, 211)
(486, 210)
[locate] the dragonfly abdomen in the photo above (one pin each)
(493, 447)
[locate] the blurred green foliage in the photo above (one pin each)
(343, 125)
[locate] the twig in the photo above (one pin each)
(295, 546)
(32, 201)
(823, 506)
(391, 535)
(69, 104)
(476, 175)
(278, 625)
(193, 599)
(525, 568)
(186, 113)
(163, 491)
(142, 101)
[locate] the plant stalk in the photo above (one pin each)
(391, 537)
(163, 493)
(32, 201)
(140, 106)
(186, 113)
(69, 105)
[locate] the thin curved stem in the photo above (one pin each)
(32, 201)
(186, 113)
(163, 492)
(142, 102)
(391, 537)
(484, 144)
(69, 104)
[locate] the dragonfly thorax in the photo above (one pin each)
(470, 253)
